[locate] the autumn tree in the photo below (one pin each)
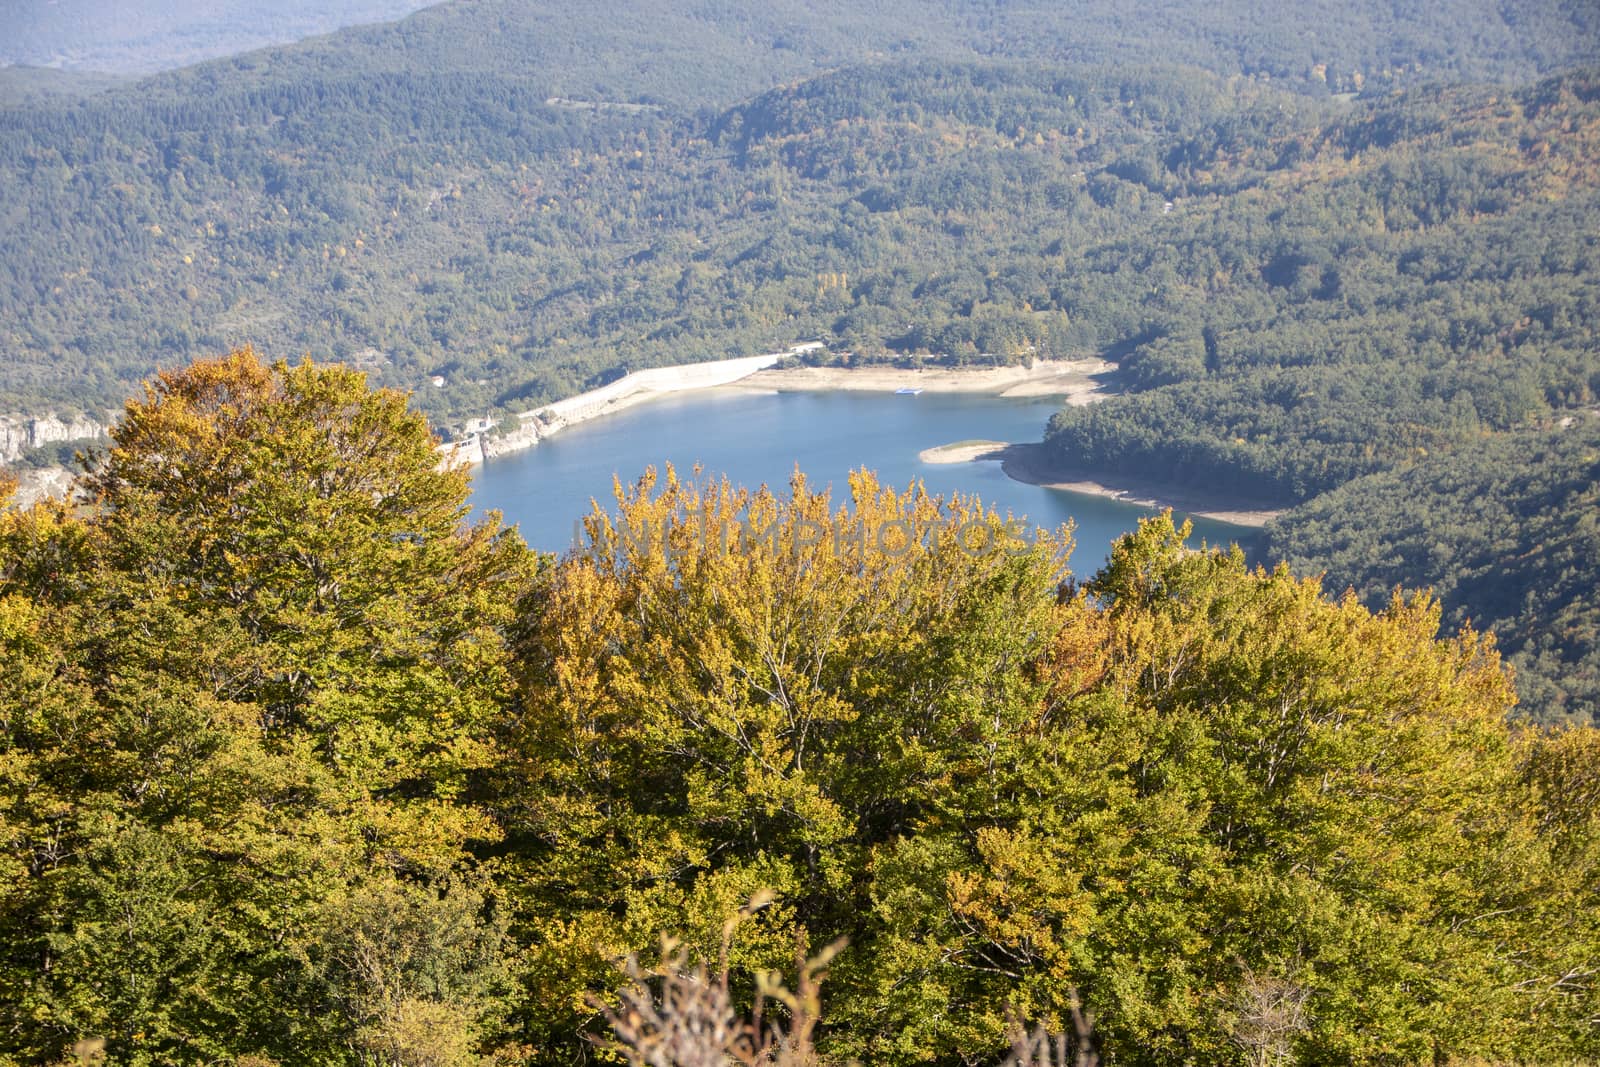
(247, 694)
(298, 765)
(729, 691)
(1237, 817)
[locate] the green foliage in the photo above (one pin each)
(1183, 786)
(1504, 530)
(296, 767)
(693, 55)
(1376, 304)
(245, 699)
(520, 224)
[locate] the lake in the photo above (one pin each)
(757, 438)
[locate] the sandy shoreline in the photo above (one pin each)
(964, 452)
(1075, 381)
(1028, 463)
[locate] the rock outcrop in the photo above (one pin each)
(525, 436)
(36, 485)
(19, 433)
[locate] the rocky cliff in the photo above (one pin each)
(35, 485)
(19, 433)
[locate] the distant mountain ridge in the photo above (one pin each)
(144, 36)
(698, 53)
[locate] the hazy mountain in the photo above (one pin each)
(720, 51)
(142, 36)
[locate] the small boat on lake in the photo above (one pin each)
(908, 391)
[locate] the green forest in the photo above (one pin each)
(303, 764)
(1507, 528)
(521, 201)
(300, 767)
(1301, 290)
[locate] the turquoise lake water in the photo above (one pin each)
(757, 438)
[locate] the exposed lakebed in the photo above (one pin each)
(759, 437)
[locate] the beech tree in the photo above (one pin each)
(298, 766)
(247, 694)
(1188, 792)
(730, 691)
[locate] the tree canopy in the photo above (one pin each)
(246, 694)
(298, 766)
(1163, 790)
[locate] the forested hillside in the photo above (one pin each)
(296, 767)
(459, 225)
(487, 190)
(714, 54)
(1505, 530)
(1419, 276)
